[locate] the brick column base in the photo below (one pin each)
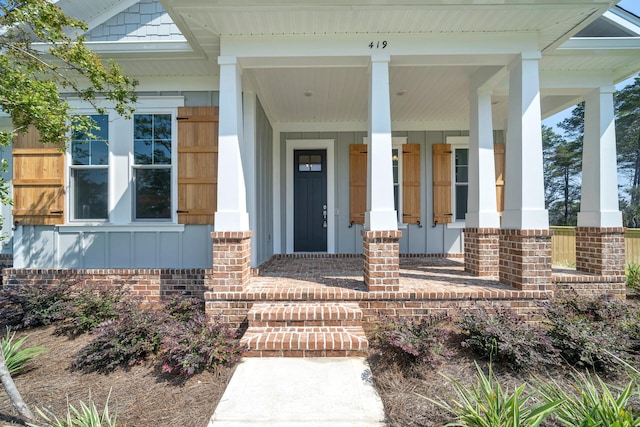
(525, 259)
(481, 251)
(381, 260)
(600, 251)
(231, 261)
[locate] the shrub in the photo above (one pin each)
(414, 339)
(87, 415)
(183, 308)
(125, 341)
(589, 332)
(633, 276)
(91, 306)
(591, 403)
(505, 337)
(16, 357)
(32, 306)
(190, 347)
(488, 404)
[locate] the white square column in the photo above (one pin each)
(482, 207)
(231, 212)
(524, 177)
(599, 196)
(381, 213)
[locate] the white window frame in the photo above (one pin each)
(173, 167)
(70, 177)
(457, 143)
(120, 199)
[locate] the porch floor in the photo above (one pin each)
(329, 277)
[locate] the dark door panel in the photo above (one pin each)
(310, 201)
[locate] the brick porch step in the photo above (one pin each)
(305, 341)
(305, 314)
(305, 329)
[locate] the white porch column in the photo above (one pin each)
(524, 178)
(482, 210)
(231, 213)
(381, 213)
(599, 196)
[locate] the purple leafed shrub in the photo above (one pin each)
(505, 337)
(420, 339)
(190, 347)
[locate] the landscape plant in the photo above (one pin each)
(633, 276)
(86, 415)
(589, 332)
(592, 403)
(15, 355)
(488, 404)
(505, 337)
(421, 339)
(90, 306)
(183, 308)
(24, 307)
(197, 344)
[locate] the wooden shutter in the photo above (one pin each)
(38, 180)
(357, 183)
(197, 164)
(411, 183)
(498, 152)
(442, 211)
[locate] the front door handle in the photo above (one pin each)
(324, 216)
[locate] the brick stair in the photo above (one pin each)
(305, 329)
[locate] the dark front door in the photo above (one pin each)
(310, 201)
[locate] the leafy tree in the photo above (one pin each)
(627, 104)
(562, 168)
(41, 54)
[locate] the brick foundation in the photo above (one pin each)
(231, 261)
(600, 251)
(150, 285)
(381, 260)
(481, 251)
(525, 259)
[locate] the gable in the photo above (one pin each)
(146, 20)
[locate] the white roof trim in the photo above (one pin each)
(597, 43)
(623, 19)
(157, 46)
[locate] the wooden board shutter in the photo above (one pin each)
(442, 211)
(498, 152)
(197, 164)
(411, 183)
(38, 180)
(357, 183)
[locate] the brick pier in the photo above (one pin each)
(381, 259)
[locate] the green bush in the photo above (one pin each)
(190, 347)
(589, 332)
(488, 404)
(125, 341)
(413, 339)
(591, 403)
(15, 356)
(633, 276)
(505, 337)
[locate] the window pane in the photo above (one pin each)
(90, 193)
(153, 193)
(461, 201)
(152, 139)
(92, 151)
(143, 152)
(99, 153)
(462, 165)
(80, 152)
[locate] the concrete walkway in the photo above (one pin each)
(310, 392)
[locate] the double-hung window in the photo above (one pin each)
(90, 172)
(461, 186)
(152, 166)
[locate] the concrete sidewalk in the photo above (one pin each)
(300, 392)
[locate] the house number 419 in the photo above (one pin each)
(378, 45)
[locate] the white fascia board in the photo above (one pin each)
(600, 43)
(362, 126)
(623, 19)
(177, 83)
(157, 46)
(567, 80)
(359, 45)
